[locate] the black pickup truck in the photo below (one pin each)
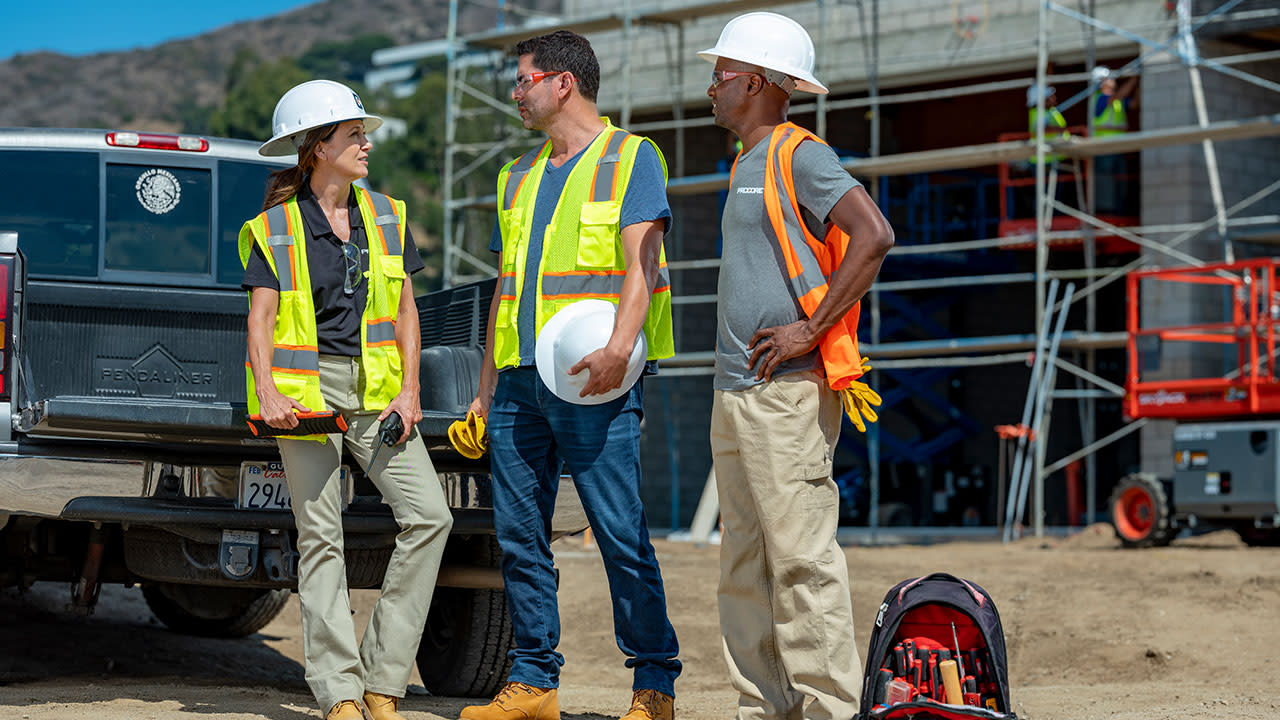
(124, 452)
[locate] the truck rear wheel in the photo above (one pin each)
(212, 611)
(1141, 512)
(468, 631)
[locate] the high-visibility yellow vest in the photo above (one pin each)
(295, 362)
(582, 253)
(1054, 119)
(1113, 120)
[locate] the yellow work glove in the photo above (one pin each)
(860, 400)
(468, 436)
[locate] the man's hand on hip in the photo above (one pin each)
(772, 346)
(605, 367)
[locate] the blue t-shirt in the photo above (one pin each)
(646, 200)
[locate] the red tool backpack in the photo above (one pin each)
(920, 624)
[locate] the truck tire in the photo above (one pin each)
(468, 631)
(1141, 512)
(211, 611)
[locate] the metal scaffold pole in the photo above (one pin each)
(450, 140)
(1043, 203)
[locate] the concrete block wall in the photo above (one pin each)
(920, 41)
(1182, 195)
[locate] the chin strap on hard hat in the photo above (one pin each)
(781, 79)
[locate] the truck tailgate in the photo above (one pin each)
(97, 358)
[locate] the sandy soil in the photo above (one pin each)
(1188, 631)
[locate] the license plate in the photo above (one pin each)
(263, 486)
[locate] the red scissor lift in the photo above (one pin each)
(1218, 380)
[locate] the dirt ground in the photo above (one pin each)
(1188, 631)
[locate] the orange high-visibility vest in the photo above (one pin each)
(810, 260)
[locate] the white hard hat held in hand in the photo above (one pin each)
(573, 333)
(311, 105)
(772, 41)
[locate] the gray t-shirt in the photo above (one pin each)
(753, 289)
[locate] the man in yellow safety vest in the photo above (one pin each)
(580, 218)
(1111, 106)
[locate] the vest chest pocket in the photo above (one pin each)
(598, 234)
(293, 315)
(509, 224)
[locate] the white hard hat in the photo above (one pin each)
(1101, 73)
(772, 41)
(570, 335)
(1033, 94)
(311, 105)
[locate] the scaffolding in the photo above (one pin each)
(464, 260)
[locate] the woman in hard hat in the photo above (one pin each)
(333, 326)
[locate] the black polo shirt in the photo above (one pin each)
(337, 315)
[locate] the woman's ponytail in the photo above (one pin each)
(284, 184)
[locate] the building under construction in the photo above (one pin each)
(1003, 302)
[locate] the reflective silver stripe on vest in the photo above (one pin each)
(810, 276)
(522, 166)
(289, 359)
(281, 244)
(387, 221)
(581, 285)
(553, 285)
(607, 167)
(380, 331)
(508, 286)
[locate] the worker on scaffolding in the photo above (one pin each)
(1055, 128)
(1110, 108)
(803, 242)
(1055, 125)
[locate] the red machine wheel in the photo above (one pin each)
(1140, 511)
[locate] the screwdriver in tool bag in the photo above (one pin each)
(389, 432)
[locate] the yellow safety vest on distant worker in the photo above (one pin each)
(582, 256)
(1054, 120)
(295, 362)
(1113, 120)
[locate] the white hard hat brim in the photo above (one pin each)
(804, 80)
(557, 379)
(283, 144)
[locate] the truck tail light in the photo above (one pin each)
(157, 141)
(7, 267)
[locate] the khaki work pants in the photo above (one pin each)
(785, 613)
(336, 670)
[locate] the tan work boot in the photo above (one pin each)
(382, 707)
(345, 710)
(651, 705)
(517, 701)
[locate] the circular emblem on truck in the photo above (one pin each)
(158, 190)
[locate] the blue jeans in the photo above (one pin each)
(531, 433)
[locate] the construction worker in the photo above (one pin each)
(802, 243)
(1110, 108)
(581, 217)
(333, 326)
(1055, 125)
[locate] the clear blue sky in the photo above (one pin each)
(83, 27)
